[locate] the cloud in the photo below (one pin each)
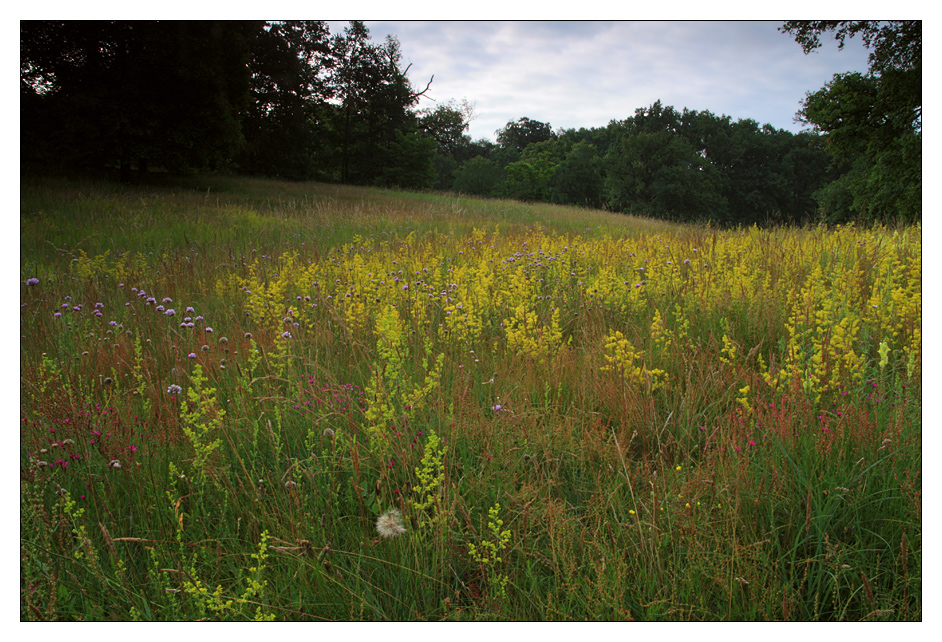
(584, 74)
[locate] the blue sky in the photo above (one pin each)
(586, 73)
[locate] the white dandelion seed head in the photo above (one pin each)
(389, 524)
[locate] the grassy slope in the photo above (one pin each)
(735, 452)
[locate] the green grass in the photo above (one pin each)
(253, 491)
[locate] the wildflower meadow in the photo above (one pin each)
(245, 399)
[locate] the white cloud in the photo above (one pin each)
(584, 74)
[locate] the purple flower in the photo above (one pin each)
(160, 308)
(32, 281)
(167, 300)
(57, 314)
(285, 335)
(189, 309)
(208, 329)
(170, 312)
(174, 389)
(192, 355)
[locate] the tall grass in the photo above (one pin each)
(578, 415)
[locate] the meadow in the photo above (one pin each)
(252, 400)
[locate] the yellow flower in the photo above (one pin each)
(884, 354)
(631, 512)
(678, 467)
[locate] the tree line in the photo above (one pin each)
(291, 100)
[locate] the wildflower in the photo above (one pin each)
(192, 355)
(328, 432)
(389, 524)
(174, 389)
(32, 281)
(167, 300)
(204, 348)
(114, 463)
(160, 308)
(496, 408)
(678, 467)
(170, 312)
(210, 330)
(285, 335)
(290, 485)
(189, 309)
(884, 354)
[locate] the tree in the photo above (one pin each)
(409, 161)
(524, 131)
(290, 65)
(170, 94)
(446, 125)
(478, 176)
(578, 178)
(375, 98)
(873, 121)
(661, 175)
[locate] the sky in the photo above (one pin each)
(575, 74)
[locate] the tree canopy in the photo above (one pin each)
(872, 122)
(291, 100)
